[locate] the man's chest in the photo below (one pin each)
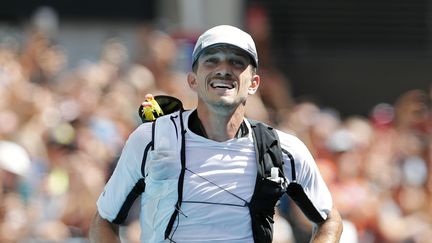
(219, 173)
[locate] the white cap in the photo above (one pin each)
(226, 34)
(14, 158)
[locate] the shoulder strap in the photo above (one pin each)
(169, 105)
(181, 176)
(267, 147)
(267, 144)
(165, 134)
(266, 192)
(150, 146)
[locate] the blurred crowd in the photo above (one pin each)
(62, 129)
(378, 168)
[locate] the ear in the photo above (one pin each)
(192, 80)
(254, 84)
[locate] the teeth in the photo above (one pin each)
(221, 85)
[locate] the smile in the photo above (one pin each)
(222, 84)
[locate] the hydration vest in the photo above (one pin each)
(168, 146)
(266, 193)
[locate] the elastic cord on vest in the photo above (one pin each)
(181, 177)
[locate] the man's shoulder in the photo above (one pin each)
(284, 137)
(174, 116)
(141, 133)
(290, 141)
(143, 129)
(281, 134)
(287, 135)
(147, 127)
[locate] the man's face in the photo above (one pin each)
(224, 77)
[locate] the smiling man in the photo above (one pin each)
(203, 177)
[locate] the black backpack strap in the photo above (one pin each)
(269, 153)
(267, 192)
(268, 149)
(267, 142)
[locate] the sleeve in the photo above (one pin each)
(308, 190)
(126, 182)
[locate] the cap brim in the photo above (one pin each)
(199, 52)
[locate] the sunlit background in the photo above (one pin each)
(352, 79)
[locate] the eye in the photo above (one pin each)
(211, 60)
(239, 62)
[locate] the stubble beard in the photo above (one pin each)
(224, 106)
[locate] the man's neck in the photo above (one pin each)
(220, 127)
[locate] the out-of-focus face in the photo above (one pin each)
(224, 77)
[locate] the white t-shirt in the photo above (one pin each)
(218, 181)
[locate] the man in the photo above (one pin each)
(200, 189)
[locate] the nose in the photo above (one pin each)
(224, 74)
(224, 71)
